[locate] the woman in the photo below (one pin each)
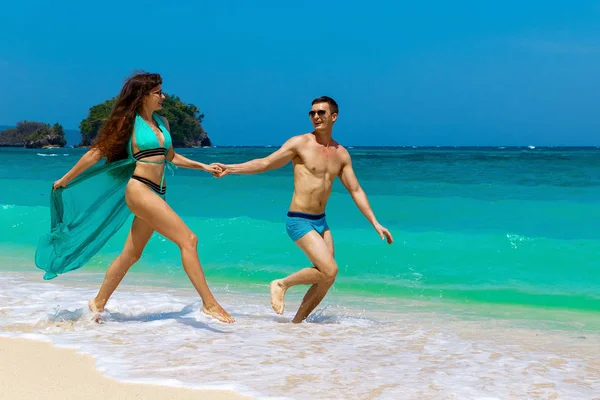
(94, 204)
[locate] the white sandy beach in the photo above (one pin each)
(37, 370)
(159, 335)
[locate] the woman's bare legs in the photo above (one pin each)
(148, 206)
(138, 237)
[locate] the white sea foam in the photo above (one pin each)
(516, 240)
(160, 335)
(52, 154)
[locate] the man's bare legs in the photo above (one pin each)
(317, 291)
(136, 241)
(319, 251)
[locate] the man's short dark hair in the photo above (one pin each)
(324, 99)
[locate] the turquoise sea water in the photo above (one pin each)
(504, 233)
(515, 226)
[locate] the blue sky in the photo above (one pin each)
(403, 73)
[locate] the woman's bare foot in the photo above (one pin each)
(218, 312)
(96, 310)
(278, 295)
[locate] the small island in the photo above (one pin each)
(185, 121)
(34, 135)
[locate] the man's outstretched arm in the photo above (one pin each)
(273, 161)
(359, 196)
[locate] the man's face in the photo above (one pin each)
(321, 116)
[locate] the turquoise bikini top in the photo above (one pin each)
(148, 144)
(145, 137)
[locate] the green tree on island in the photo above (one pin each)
(33, 135)
(185, 121)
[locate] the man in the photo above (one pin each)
(317, 161)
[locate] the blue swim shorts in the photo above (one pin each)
(298, 224)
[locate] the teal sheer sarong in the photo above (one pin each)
(88, 211)
(85, 214)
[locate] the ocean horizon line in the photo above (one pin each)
(351, 146)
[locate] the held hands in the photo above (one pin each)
(213, 169)
(218, 170)
(383, 233)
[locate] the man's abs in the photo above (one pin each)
(311, 195)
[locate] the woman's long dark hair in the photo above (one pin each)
(116, 130)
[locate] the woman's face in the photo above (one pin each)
(153, 100)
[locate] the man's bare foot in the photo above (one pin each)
(96, 310)
(218, 312)
(278, 295)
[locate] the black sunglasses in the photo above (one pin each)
(321, 113)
